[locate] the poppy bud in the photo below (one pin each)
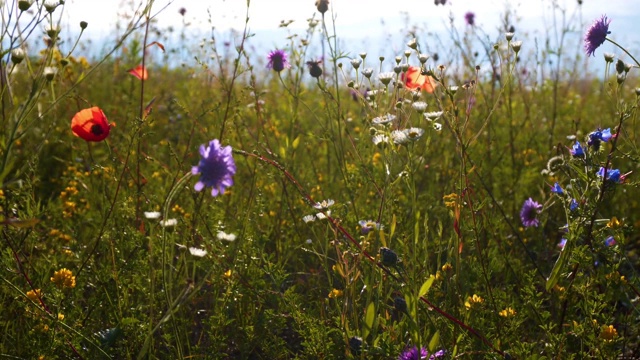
(24, 5)
(314, 69)
(83, 25)
(17, 55)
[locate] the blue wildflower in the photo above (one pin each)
(216, 168)
(562, 243)
(576, 150)
(610, 241)
(557, 189)
(612, 174)
(599, 135)
(573, 205)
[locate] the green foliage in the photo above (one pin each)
(109, 252)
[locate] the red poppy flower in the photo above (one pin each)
(140, 72)
(413, 79)
(90, 124)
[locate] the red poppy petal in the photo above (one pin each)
(140, 72)
(90, 124)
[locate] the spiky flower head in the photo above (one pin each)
(596, 35)
(470, 18)
(278, 60)
(216, 168)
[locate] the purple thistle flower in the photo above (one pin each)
(528, 213)
(278, 60)
(216, 168)
(470, 18)
(612, 174)
(577, 150)
(415, 354)
(596, 35)
(557, 189)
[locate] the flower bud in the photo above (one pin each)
(388, 257)
(608, 57)
(83, 25)
(398, 59)
(50, 72)
(322, 6)
(24, 5)
(356, 63)
(413, 44)
(516, 45)
(423, 58)
(509, 36)
(619, 66)
(50, 6)
(17, 55)
(363, 55)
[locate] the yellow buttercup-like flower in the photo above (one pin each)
(508, 312)
(608, 333)
(335, 293)
(34, 295)
(64, 278)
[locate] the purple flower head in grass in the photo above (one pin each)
(612, 174)
(577, 150)
(278, 60)
(528, 213)
(216, 168)
(470, 18)
(415, 354)
(557, 189)
(366, 226)
(596, 35)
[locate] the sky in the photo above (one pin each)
(368, 25)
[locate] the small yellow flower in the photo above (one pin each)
(335, 293)
(60, 317)
(472, 301)
(508, 312)
(34, 295)
(1, 194)
(450, 200)
(447, 267)
(608, 333)
(227, 273)
(614, 223)
(64, 278)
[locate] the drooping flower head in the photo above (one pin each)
(216, 168)
(278, 60)
(470, 18)
(413, 79)
(596, 35)
(90, 124)
(528, 213)
(140, 72)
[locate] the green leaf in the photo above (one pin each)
(368, 319)
(424, 289)
(433, 344)
(561, 263)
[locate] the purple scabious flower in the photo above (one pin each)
(470, 18)
(596, 35)
(528, 213)
(577, 150)
(557, 189)
(278, 60)
(216, 168)
(612, 174)
(415, 354)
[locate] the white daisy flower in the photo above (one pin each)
(433, 115)
(197, 252)
(309, 218)
(224, 236)
(419, 106)
(384, 119)
(152, 214)
(413, 133)
(324, 204)
(168, 222)
(386, 77)
(399, 137)
(380, 139)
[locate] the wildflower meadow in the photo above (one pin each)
(468, 197)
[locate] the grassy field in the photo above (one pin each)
(288, 205)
